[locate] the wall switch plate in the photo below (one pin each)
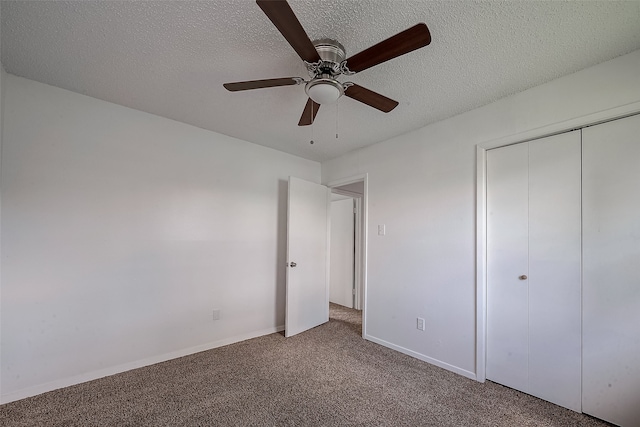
(420, 324)
(382, 229)
(216, 314)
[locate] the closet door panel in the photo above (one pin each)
(507, 240)
(554, 269)
(611, 271)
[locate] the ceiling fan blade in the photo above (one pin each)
(280, 13)
(259, 84)
(404, 42)
(371, 98)
(309, 113)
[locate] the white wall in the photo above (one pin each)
(122, 231)
(422, 185)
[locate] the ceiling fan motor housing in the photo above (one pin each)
(332, 54)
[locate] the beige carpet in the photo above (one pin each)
(328, 376)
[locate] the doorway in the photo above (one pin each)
(342, 285)
(348, 251)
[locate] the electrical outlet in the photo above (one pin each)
(382, 230)
(420, 324)
(216, 314)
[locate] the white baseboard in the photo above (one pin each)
(101, 373)
(422, 357)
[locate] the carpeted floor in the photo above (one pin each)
(328, 376)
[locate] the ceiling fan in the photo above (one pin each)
(325, 60)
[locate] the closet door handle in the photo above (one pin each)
(523, 277)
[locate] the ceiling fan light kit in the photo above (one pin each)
(326, 59)
(324, 90)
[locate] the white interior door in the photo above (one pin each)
(554, 270)
(611, 275)
(307, 256)
(533, 268)
(507, 260)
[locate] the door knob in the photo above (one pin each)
(293, 264)
(523, 277)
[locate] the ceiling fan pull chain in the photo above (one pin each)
(337, 119)
(311, 123)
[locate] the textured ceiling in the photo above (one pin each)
(171, 58)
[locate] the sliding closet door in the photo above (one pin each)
(611, 282)
(533, 268)
(554, 270)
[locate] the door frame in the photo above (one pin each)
(481, 206)
(362, 222)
